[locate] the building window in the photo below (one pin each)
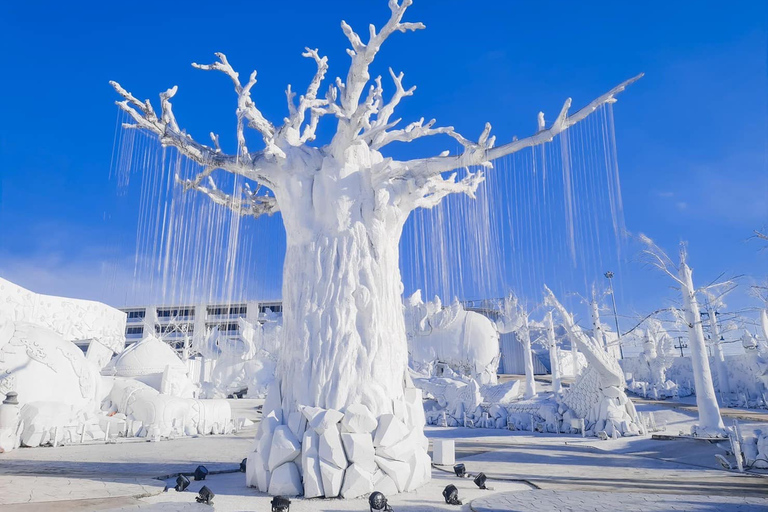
(134, 331)
(136, 314)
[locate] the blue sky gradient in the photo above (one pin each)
(691, 135)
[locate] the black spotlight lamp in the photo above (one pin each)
(205, 496)
(182, 483)
(243, 465)
(281, 504)
(378, 501)
(451, 495)
(480, 480)
(200, 473)
(460, 470)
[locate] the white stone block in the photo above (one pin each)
(285, 481)
(359, 450)
(297, 423)
(414, 404)
(325, 419)
(310, 462)
(420, 471)
(359, 419)
(274, 400)
(403, 449)
(331, 449)
(357, 482)
(261, 473)
(383, 483)
(397, 470)
(332, 479)
(251, 470)
(285, 447)
(444, 452)
(389, 431)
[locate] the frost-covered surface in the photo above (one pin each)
(465, 341)
(72, 319)
(65, 396)
(246, 363)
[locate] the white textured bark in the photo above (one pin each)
(710, 422)
(530, 382)
(722, 369)
(344, 334)
(554, 361)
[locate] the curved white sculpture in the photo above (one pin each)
(466, 341)
(598, 395)
(343, 206)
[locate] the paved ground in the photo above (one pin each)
(559, 501)
(556, 464)
(47, 492)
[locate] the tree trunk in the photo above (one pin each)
(554, 361)
(530, 383)
(710, 422)
(722, 370)
(343, 330)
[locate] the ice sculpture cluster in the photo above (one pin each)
(55, 393)
(465, 341)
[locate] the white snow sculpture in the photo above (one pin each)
(598, 395)
(514, 318)
(650, 379)
(154, 363)
(48, 373)
(710, 421)
(464, 340)
(72, 319)
(343, 206)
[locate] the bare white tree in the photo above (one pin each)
(710, 421)
(343, 206)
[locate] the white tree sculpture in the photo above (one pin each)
(343, 206)
(710, 421)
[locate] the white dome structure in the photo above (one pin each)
(148, 361)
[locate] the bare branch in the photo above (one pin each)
(478, 154)
(363, 54)
(436, 188)
(251, 204)
(659, 259)
(257, 166)
(291, 129)
(246, 108)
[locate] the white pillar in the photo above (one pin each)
(720, 366)
(554, 361)
(710, 421)
(530, 383)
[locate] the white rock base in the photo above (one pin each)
(332, 453)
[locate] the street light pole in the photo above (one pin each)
(609, 276)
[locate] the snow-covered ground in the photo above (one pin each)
(559, 465)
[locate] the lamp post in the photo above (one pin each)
(609, 276)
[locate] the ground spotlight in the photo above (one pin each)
(451, 495)
(377, 501)
(182, 483)
(460, 470)
(200, 473)
(281, 504)
(205, 496)
(243, 465)
(480, 480)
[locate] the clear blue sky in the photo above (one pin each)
(692, 135)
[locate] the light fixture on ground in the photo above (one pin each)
(451, 495)
(200, 473)
(480, 480)
(281, 504)
(378, 501)
(243, 465)
(182, 483)
(460, 470)
(205, 496)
